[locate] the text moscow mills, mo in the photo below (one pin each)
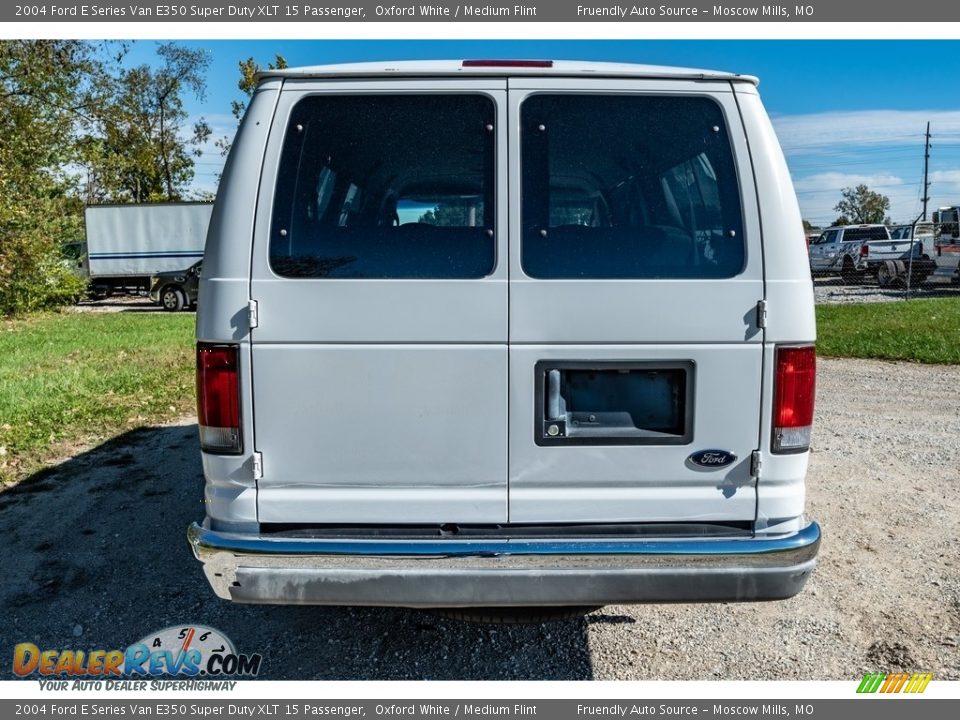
(632, 12)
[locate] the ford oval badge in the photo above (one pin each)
(712, 458)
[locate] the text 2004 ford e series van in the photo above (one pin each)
(522, 335)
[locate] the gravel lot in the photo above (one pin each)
(830, 290)
(118, 303)
(95, 557)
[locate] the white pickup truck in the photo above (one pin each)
(855, 251)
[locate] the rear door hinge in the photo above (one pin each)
(253, 314)
(755, 464)
(257, 465)
(761, 313)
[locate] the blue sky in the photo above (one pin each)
(846, 111)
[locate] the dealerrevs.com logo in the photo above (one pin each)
(182, 651)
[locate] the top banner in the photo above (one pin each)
(358, 11)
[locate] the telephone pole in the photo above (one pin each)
(926, 167)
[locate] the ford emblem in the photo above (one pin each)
(712, 458)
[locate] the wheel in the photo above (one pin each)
(516, 615)
(849, 273)
(886, 273)
(172, 299)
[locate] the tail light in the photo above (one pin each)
(218, 398)
(864, 250)
(507, 63)
(794, 387)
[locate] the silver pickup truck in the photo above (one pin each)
(855, 252)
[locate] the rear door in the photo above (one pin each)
(635, 277)
(823, 251)
(379, 359)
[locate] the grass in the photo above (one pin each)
(69, 379)
(924, 331)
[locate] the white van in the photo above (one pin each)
(505, 334)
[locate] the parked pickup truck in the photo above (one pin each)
(855, 251)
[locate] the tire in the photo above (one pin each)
(849, 273)
(920, 275)
(172, 299)
(516, 615)
(886, 273)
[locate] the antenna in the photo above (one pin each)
(926, 167)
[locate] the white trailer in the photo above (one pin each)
(126, 244)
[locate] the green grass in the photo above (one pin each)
(925, 331)
(69, 379)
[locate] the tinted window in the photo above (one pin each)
(386, 186)
(867, 233)
(618, 186)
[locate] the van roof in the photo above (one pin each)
(503, 68)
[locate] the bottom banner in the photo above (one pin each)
(879, 709)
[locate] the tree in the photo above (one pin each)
(140, 150)
(47, 91)
(860, 205)
(454, 214)
(247, 84)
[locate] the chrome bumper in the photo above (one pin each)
(514, 572)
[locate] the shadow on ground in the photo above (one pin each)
(95, 557)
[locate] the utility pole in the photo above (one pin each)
(926, 167)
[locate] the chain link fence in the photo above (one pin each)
(876, 263)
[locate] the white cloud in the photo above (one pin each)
(832, 131)
(945, 176)
(882, 149)
(836, 181)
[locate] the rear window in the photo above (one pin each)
(627, 186)
(867, 233)
(386, 186)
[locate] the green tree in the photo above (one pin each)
(247, 84)
(861, 205)
(47, 91)
(140, 149)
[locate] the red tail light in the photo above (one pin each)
(794, 387)
(508, 63)
(864, 250)
(218, 398)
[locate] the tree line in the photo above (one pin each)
(80, 125)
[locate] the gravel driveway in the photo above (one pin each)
(95, 557)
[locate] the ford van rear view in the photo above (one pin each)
(508, 335)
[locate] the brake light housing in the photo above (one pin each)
(864, 250)
(507, 63)
(218, 398)
(794, 390)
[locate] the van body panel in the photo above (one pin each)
(382, 433)
(647, 483)
(649, 310)
(394, 404)
(789, 287)
(790, 308)
(712, 323)
(466, 69)
(230, 491)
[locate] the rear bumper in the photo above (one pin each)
(480, 573)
